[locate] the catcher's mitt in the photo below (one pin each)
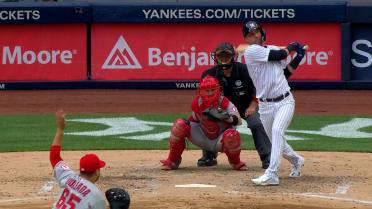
(118, 198)
(215, 115)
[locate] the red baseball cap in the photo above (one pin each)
(90, 163)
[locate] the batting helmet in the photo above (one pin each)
(209, 83)
(224, 55)
(252, 25)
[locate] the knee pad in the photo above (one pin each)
(231, 141)
(180, 129)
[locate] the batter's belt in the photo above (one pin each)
(276, 99)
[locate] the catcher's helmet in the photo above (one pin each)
(209, 83)
(224, 55)
(252, 25)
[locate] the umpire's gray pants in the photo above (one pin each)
(260, 138)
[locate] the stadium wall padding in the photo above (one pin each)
(354, 21)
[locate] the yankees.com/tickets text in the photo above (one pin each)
(218, 13)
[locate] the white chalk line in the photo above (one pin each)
(47, 187)
(24, 199)
(334, 198)
(194, 186)
(306, 195)
(342, 189)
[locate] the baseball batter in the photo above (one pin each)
(214, 134)
(76, 191)
(238, 87)
(276, 104)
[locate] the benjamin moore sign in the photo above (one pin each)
(181, 52)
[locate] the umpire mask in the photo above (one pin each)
(224, 56)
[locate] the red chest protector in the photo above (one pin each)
(210, 128)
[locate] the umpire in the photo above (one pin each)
(238, 88)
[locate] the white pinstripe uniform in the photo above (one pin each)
(270, 82)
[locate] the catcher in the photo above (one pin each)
(211, 127)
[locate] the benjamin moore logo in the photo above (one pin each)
(121, 57)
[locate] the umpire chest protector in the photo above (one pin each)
(238, 88)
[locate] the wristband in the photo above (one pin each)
(235, 120)
(287, 73)
(296, 61)
(255, 99)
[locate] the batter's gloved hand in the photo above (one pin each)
(301, 49)
(215, 115)
(292, 47)
(118, 198)
(296, 45)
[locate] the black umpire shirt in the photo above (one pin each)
(238, 88)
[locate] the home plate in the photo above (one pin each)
(194, 185)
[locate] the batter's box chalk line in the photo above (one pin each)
(194, 186)
(47, 187)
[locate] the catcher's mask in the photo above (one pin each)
(250, 26)
(209, 91)
(224, 56)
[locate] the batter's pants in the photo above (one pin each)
(276, 117)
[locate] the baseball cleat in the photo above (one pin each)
(204, 161)
(166, 167)
(169, 165)
(265, 180)
(240, 166)
(296, 169)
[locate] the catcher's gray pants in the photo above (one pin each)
(260, 138)
(198, 138)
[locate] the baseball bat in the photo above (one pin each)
(306, 47)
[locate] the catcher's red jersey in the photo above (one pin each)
(212, 129)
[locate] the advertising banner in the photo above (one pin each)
(361, 52)
(143, 51)
(35, 12)
(220, 12)
(43, 52)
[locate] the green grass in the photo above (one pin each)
(36, 132)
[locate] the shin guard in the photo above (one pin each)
(179, 132)
(231, 145)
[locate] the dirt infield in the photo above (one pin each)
(330, 179)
